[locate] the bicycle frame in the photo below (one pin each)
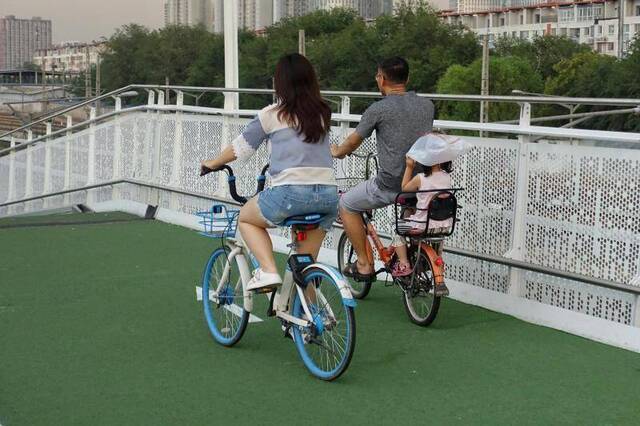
(386, 253)
(283, 297)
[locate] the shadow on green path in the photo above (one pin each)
(99, 326)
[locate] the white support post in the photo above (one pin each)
(231, 81)
(231, 100)
(47, 167)
(157, 148)
(176, 165)
(67, 159)
(157, 152)
(117, 154)
(151, 100)
(12, 172)
(28, 184)
(518, 230)
(180, 98)
(147, 163)
(636, 320)
(118, 105)
(91, 166)
(345, 109)
(160, 98)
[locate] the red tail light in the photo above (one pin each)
(301, 236)
(439, 261)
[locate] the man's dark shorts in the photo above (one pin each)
(367, 196)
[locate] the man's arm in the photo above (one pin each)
(365, 128)
(350, 144)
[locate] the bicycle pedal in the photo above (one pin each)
(263, 290)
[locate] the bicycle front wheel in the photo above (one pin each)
(419, 298)
(223, 298)
(347, 255)
(326, 345)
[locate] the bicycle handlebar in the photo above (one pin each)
(204, 170)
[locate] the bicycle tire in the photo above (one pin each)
(424, 272)
(234, 315)
(308, 338)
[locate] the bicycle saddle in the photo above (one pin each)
(305, 219)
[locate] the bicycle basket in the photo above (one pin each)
(219, 222)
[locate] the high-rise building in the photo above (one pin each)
(252, 14)
(370, 9)
(188, 12)
(290, 8)
(20, 38)
(264, 14)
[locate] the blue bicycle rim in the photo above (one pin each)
(298, 312)
(206, 303)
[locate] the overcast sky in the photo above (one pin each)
(86, 20)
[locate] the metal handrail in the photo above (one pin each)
(535, 131)
(353, 94)
(599, 282)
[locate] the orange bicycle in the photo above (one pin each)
(424, 249)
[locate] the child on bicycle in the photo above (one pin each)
(434, 153)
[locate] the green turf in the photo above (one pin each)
(99, 326)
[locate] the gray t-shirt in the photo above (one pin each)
(399, 120)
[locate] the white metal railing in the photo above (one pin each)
(562, 199)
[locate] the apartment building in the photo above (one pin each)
(69, 57)
(594, 22)
(20, 38)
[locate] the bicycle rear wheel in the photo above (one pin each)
(419, 298)
(224, 309)
(326, 346)
(347, 255)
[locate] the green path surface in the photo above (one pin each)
(99, 326)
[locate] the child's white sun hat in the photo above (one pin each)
(436, 148)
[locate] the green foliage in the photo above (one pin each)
(345, 50)
(506, 74)
(342, 47)
(584, 74)
(543, 53)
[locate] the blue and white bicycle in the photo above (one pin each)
(314, 303)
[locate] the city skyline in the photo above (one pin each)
(91, 19)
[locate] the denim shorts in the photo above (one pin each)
(283, 201)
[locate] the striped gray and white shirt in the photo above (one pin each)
(293, 161)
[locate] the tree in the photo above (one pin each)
(430, 45)
(543, 53)
(626, 84)
(506, 74)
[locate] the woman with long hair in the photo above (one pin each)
(301, 166)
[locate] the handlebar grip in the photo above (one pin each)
(234, 192)
(262, 179)
(204, 170)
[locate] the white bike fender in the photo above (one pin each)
(343, 285)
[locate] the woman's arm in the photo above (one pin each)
(226, 156)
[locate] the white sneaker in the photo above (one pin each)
(262, 280)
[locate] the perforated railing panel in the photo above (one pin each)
(581, 202)
(582, 210)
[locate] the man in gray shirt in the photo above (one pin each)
(399, 119)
